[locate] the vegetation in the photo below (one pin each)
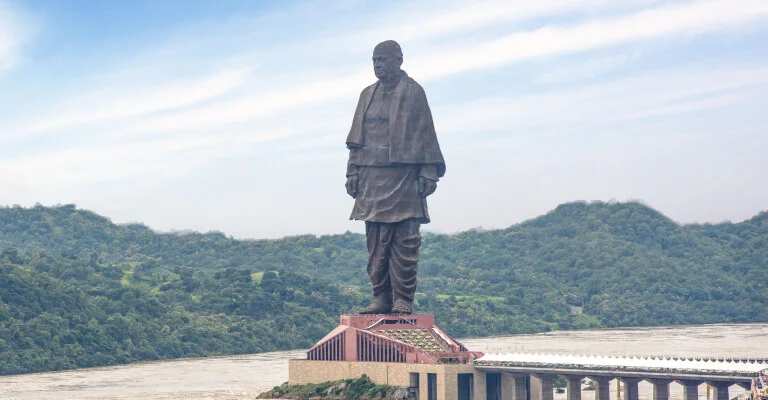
(77, 290)
(359, 388)
(61, 313)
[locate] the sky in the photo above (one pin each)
(232, 116)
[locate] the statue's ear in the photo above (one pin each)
(399, 61)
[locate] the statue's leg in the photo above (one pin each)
(379, 238)
(403, 264)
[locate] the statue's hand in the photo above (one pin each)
(352, 186)
(427, 187)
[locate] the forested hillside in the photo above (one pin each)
(77, 290)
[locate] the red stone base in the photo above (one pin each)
(390, 338)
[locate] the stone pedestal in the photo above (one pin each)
(394, 350)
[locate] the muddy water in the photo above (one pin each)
(243, 377)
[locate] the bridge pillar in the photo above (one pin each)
(424, 386)
(660, 389)
(720, 390)
(541, 387)
(513, 387)
(630, 388)
(602, 387)
(479, 385)
(574, 386)
(690, 389)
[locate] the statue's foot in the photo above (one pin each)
(381, 304)
(402, 307)
(374, 308)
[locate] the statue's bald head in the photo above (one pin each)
(389, 47)
(387, 59)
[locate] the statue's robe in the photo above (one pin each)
(392, 145)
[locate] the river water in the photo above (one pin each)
(244, 377)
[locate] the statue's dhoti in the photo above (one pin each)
(393, 255)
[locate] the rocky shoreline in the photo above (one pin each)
(359, 388)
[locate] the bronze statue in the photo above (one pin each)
(394, 164)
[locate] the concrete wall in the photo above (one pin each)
(395, 374)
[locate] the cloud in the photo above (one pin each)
(15, 30)
(198, 105)
(624, 99)
(686, 19)
(690, 18)
(256, 105)
(165, 117)
(422, 21)
(573, 110)
(156, 106)
(129, 101)
(588, 69)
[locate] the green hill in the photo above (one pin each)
(77, 290)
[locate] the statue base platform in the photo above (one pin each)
(409, 351)
(391, 338)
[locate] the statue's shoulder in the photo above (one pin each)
(411, 84)
(412, 88)
(369, 89)
(412, 81)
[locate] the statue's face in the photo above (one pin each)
(385, 64)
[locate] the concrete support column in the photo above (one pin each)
(513, 387)
(521, 391)
(447, 386)
(479, 385)
(507, 386)
(602, 387)
(660, 389)
(690, 389)
(541, 387)
(720, 390)
(630, 388)
(574, 386)
(534, 389)
(423, 386)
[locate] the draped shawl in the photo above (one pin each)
(412, 137)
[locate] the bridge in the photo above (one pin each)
(522, 376)
(412, 352)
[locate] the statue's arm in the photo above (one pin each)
(352, 171)
(428, 171)
(427, 179)
(351, 163)
(354, 141)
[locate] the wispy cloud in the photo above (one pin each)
(15, 30)
(131, 101)
(495, 71)
(623, 99)
(423, 21)
(588, 69)
(687, 19)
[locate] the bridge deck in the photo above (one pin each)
(641, 367)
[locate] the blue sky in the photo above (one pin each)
(231, 116)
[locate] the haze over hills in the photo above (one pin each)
(77, 290)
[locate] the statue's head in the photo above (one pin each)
(387, 59)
